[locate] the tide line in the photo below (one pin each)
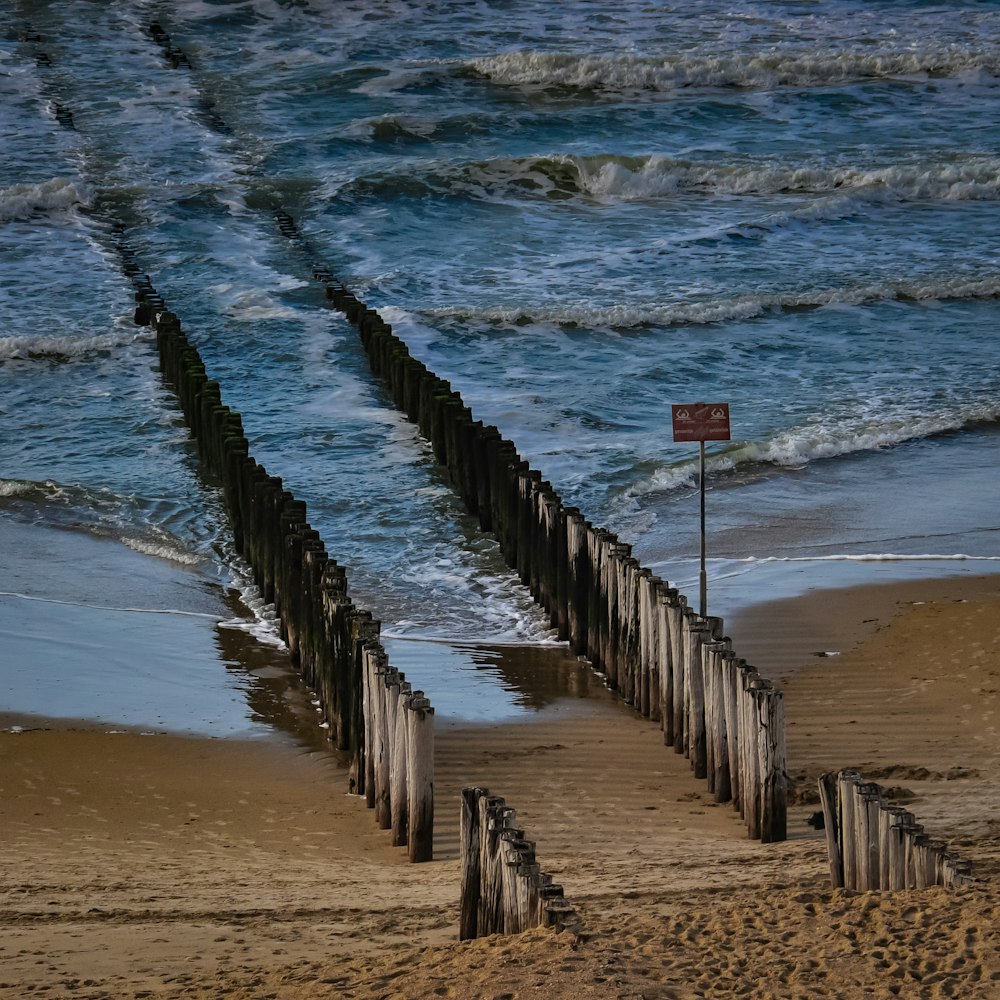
(103, 607)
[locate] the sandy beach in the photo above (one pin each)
(154, 865)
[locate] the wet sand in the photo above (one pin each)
(165, 866)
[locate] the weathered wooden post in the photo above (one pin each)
(420, 777)
(471, 867)
(664, 598)
(714, 655)
(399, 795)
(698, 632)
(369, 693)
(651, 638)
(678, 617)
(847, 783)
(578, 581)
(385, 723)
(831, 826)
(774, 808)
(493, 817)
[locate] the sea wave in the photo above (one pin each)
(752, 71)
(617, 178)
(101, 514)
(799, 446)
(21, 201)
(740, 307)
(67, 347)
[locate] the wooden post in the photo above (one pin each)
(652, 630)
(471, 872)
(847, 782)
(678, 616)
(774, 818)
(493, 817)
(697, 634)
(385, 721)
(578, 581)
(420, 778)
(369, 694)
(831, 825)
(666, 597)
(399, 795)
(714, 656)
(750, 778)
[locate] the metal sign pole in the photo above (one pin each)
(701, 422)
(703, 578)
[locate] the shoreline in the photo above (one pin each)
(188, 866)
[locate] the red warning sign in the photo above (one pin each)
(701, 421)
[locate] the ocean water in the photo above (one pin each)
(578, 213)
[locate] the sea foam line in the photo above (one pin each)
(612, 177)
(739, 307)
(876, 557)
(66, 347)
(103, 607)
(766, 70)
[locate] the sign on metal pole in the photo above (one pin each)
(701, 422)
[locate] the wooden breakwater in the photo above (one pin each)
(386, 729)
(503, 889)
(669, 663)
(873, 844)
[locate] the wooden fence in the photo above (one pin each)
(503, 889)
(874, 844)
(386, 729)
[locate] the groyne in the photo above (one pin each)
(371, 713)
(874, 844)
(669, 663)
(504, 891)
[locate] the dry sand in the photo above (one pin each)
(138, 866)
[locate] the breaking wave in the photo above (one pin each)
(66, 347)
(21, 201)
(751, 71)
(798, 446)
(610, 177)
(740, 307)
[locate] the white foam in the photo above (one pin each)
(762, 70)
(67, 347)
(162, 550)
(739, 307)
(107, 607)
(882, 557)
(958, 179)
(616, 178)
(798, 446)
(15, 488)
(21, 201)
(264, 625)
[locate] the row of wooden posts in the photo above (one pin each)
(662, 658)
(368, 706)
(874, 844)
(503, 889)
